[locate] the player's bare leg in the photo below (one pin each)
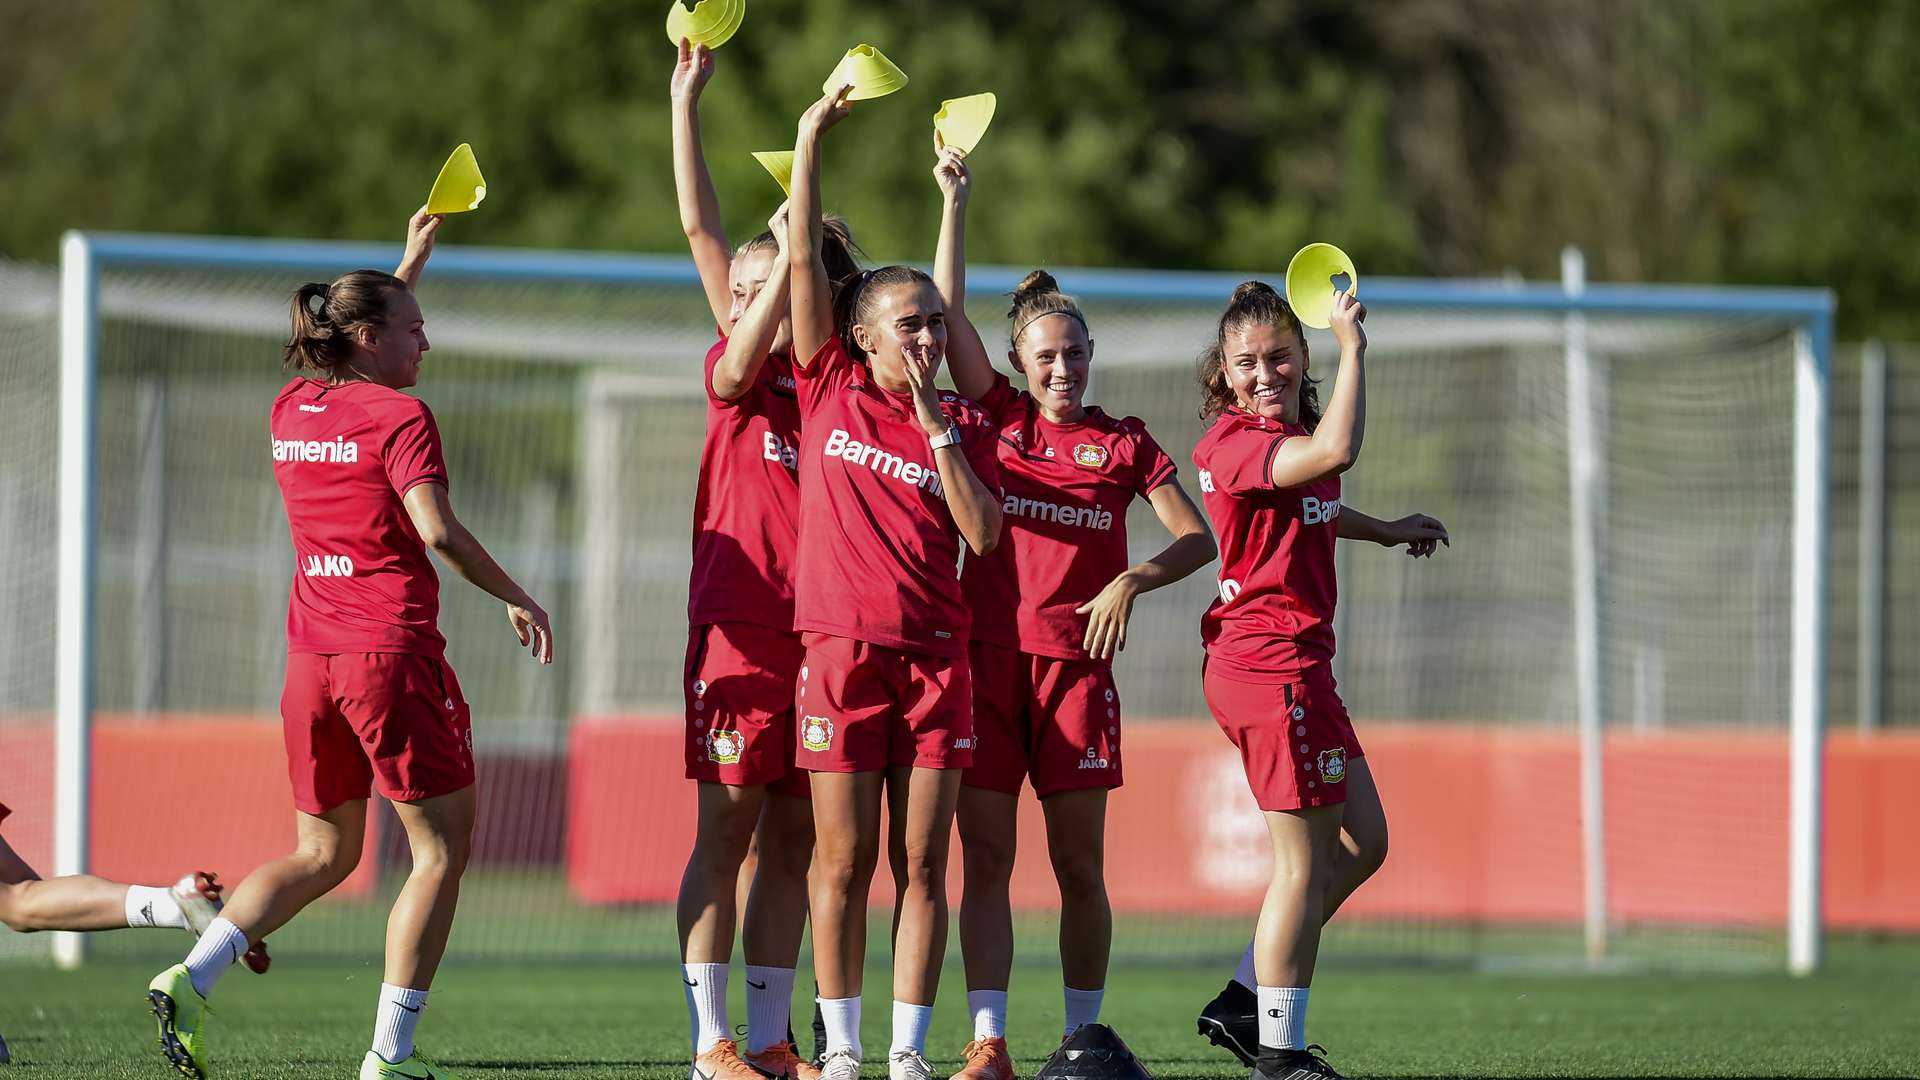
(988, 822)
(921, 943)
(440, 834)
(1076, 842)
(326, 849)
(1363, 839)
(707, 911)
(775, 919)
(846, 848)
(1286, 942)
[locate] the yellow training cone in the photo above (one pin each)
(962, 121)
(1316, 275)
(709, 23)
(870, 72)
(460, 187)
(779, 164)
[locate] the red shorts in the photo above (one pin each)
(1055, 720)
(1295, 737)
(739, 687)
(356, 721)
(864, 707)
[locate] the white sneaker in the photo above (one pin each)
(840, 1064)
(199, 898)
(908, 1065)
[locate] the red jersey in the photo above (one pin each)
(1274, 615)
(746, 505)
(879, 556)
(344, 455)
(1067, 489)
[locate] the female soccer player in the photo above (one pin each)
(1270, 470)
(743, 656)
(369, 701)
(894, 476)
(1050, 608)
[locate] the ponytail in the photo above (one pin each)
(1253, 302)
(325, 318)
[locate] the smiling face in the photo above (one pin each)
(391, 349)
(1055, 354)
(745, 278)
(899, 321)
(1265, 367)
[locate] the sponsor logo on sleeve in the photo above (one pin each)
(1090, 456)
(816, 733)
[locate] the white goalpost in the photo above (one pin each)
(1620, 586)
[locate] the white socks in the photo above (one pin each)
(217, 949)
(1283, 1017)
(154, 905)
(393, 1025)
(910, 1024)
(842, 1016)
(989, 1009)
(706, 986)
(769, 1005)
(1083, 1007)
(1244, 973)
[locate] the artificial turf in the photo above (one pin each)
(1860, 1018)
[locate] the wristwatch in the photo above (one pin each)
(949, 437)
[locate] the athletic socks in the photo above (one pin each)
(1244, 973)
(153, 905)
(989, 1009)
(910, 1024)
(842, 1017)
(1083, 1007)
(769, 1005)
(393, 1024)
(214, 953)
(706, 986)
(1283, 1017)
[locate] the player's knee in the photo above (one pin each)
(925, 863)
(1081, 874)
(844, 865)
(1373, 852)
(15, 912)
(987, 858)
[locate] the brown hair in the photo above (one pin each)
(1037, 296)
(326, 316)
(857, 300)
(1252, 302)
(838, 251)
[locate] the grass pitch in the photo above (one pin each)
(312, 1020)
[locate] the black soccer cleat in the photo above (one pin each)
(1308, 1064)
(1231, 1021)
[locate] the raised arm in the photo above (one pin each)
(699, 203)
(1335, 444)
(1420, 533)
(812, 293)
(752, 337)
(432, 517)
(1192, 548)
(420, 231)
(966, 354)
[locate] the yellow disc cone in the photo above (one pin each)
(1311, 286)
(779, 164)
(961, 122)
(870, 72)
(459, 187)
(709, 22)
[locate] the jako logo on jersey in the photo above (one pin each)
(338, 450)
(723, 747)
(1206, 481)
(1094, 761)
(1086, 517)
(778, 449)
(1333, 765)
(1090, 456)
(329, 566)
(854, 452)
(963, 744)
(816, 733)
(1318, 511)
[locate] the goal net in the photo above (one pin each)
(567, 391)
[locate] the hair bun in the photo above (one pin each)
(1248, 290)
(1036, 283)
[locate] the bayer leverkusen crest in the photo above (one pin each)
(816, 733)
(1090, 456)
(1333, 765)
(723, 747)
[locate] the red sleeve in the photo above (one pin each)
(981, 444)
(1243, 461)
(830, 369)
(1151, 465)
(714, 354)
(413, 454)
(1001, 399)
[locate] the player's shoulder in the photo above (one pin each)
(389, 406)
(964, 411)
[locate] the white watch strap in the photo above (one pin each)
(949, 437)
